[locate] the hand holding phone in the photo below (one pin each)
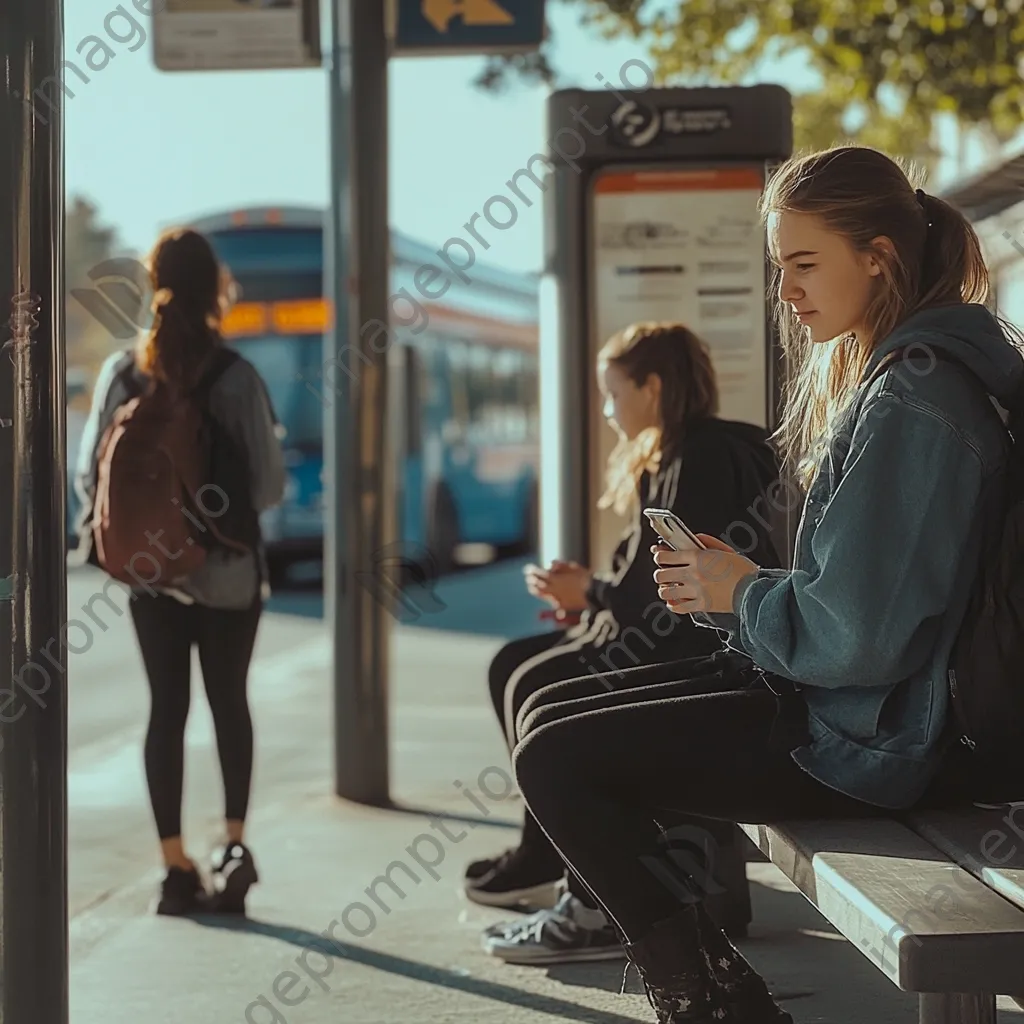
(672, 530)
(687, 581)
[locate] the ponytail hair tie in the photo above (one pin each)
(922, 197)
(161, 297)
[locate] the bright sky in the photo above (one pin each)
(148, 146)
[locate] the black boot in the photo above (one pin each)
(746, 994)
(676, 973)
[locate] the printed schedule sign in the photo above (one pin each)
(687, 246)
(209, 35)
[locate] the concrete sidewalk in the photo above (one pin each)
(408, 949)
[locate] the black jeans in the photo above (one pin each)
(542, 670)
(520, 669)
(600, 772)
(166, 630)
(527, 666)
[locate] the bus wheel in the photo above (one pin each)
(442, 529)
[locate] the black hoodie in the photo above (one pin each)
(717, 485)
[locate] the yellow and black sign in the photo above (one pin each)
(295, 316)
(468, 26)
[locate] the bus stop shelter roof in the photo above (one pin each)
(990, 192)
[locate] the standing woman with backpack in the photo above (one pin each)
(837, 704)
(179, 456)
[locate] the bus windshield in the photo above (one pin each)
(287, 362)
(273, 263)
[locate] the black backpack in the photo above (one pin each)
(986, 666)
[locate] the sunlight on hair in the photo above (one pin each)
(936, 260)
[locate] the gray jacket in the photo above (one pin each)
(239, 403)
(886, 553)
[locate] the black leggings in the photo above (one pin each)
(524, 666)
(517, 671)
(166, 630)
(600, 771)
(539, 670)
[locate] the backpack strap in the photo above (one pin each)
(126, 377)
(125, 371)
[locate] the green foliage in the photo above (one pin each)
(87, 242)
(884, 67)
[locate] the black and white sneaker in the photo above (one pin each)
(519, 881)
(233, 873)
(567, 933)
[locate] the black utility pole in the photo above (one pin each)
(356, 455)
(33, 599)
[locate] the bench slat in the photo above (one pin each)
(926, 924)
(984, 842)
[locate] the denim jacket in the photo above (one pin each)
(886, 553)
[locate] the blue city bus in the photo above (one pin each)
(464, 388)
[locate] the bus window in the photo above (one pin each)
(528, 395)
(508, 371)
(431, 387)
(273, 263)
(456, 355)
(479, 391)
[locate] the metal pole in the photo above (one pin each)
(33, 599)
(356, 481)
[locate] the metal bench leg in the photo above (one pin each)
(957, 1008)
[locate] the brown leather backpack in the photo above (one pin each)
(155, 507)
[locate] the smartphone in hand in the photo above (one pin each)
(672, 530)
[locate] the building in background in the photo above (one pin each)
(993, 199)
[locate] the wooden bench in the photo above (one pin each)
(935, 901)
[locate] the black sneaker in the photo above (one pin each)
(182, 892)
(569, 933)
(233, 872)
(481, 868)
(518, 882)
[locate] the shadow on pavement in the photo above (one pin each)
(464, 819)
(412, 969)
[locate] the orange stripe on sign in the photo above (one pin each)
(302, 316)
(680, 181)
(245, 318)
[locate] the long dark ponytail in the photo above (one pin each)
(188, 299)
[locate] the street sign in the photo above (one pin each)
(236, 35)
(440, 27)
